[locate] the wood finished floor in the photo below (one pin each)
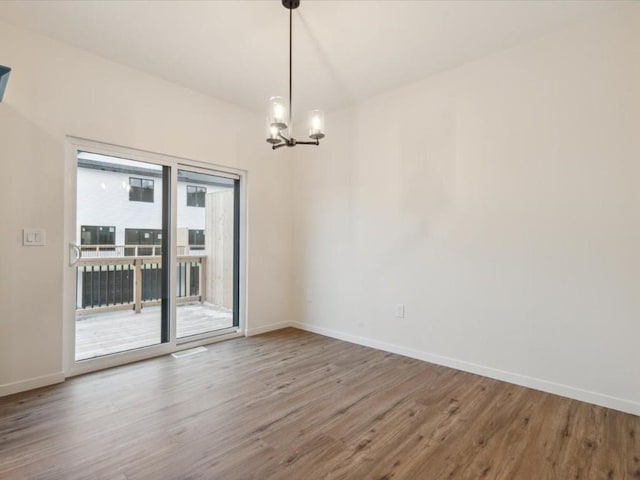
(295, 405)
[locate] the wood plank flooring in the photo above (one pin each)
(295, 405)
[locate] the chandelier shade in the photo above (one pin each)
(278, 115)
(316, 124)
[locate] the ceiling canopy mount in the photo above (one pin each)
(291, 4)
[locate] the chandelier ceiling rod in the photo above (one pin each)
(279, 119)
(290, 61)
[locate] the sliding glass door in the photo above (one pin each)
(154, 256)
(121, 278)
(207, 260)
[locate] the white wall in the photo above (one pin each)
(56, 90)
(500, 203)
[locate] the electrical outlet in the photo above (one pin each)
(400, 310)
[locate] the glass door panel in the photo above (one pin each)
(207, 257)
(121, 285)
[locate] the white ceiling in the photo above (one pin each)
(344, 50)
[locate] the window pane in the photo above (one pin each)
(140, 190)
(97, 235)
(196, 196)
(118, 295)
(206, 245)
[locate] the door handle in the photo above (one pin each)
(75, 254)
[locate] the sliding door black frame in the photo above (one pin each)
(236, 253)
(165, 317)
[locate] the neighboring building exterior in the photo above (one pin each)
(121, 204)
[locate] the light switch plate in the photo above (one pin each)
(34, 237)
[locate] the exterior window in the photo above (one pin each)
(96, 235)
(196, 239)
(140, 190)
(195, 196)
(143, 236)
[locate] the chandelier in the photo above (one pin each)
(278, 121)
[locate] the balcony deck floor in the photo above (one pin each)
(111, 332)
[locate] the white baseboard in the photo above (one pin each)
(30, 384)
(601, 399)
(268, 328)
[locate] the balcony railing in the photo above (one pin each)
(118, 277)
(92, 251)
